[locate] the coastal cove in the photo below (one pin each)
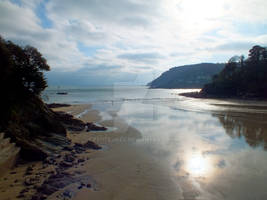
(133, 100)
(160, 144)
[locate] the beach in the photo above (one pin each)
(133, 100)
(118, 171)
(153, 148)
(121, 170)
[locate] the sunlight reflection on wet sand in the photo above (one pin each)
(214, 149)
(198, 165)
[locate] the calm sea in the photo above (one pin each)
(109, 94)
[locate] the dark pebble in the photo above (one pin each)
(80, 160)
(68, 158)
(67, 194)
(64, 164)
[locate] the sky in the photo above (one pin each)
(104, 42)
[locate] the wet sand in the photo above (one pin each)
(213, 154)
(120, 170)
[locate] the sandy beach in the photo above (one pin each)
(120, 170)
(150, 152)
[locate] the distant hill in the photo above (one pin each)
(187, 76)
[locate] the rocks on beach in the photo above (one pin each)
(62, 178)
(73, 124)
(57, 105)
(93, 127)
(42, 132)
(50, 144)
(59, 176)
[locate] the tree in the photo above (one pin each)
(242, 59)
(256, 54)
(21, 76)
(25, 66)
(249, 80)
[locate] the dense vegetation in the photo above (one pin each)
(246, 78)
(24, 117)
(189, 76)
(21, 77)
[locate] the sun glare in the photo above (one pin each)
(202, 9)
(197, 165)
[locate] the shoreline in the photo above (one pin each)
(91, 173)
(124, 168)
(199, 95)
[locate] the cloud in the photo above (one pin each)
(133, 36)
(85, 32)
(100, 69)
(234, 46)
(100, 75)
(17, 21)
(141, 57)
(103, 11)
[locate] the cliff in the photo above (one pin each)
(188, 76)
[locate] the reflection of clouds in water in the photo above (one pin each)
(186, 127)
(197, 148)
(105, 116)
(183, 132)
(221, 164)
(242, 175)
(136, 111)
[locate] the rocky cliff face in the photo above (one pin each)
(36, 130)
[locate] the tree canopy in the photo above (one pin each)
(21, 75)
(242, 77)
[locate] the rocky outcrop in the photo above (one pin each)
(73, 124)
(93, 127)
(40, 132)
(36, 130)
(69, 122)
(57, 105)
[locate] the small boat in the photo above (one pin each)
(62, 93)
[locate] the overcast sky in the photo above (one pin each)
(131, 41)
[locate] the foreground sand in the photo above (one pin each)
(121, 170)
